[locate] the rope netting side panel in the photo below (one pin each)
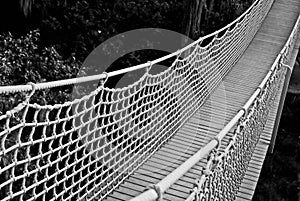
(83, 149)
(226, 167)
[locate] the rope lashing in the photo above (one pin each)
(218, 142)
(33, 88)
(148, 68)
(290, 68)
(104, 80)
(158, 191)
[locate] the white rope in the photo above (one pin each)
(224, 180)
(59, 83)
(85, 148)
(259, 7)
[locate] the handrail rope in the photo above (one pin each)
(188, 164)
(71, 81)
(251, 100)
(127, 125)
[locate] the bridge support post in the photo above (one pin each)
(283, 94)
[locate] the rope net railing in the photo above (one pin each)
(226, 165)
(85, 148)
(226, 168)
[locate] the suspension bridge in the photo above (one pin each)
(199, 130)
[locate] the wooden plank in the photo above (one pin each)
(238, 86)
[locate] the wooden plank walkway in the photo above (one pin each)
(222, 105)
(250, 181)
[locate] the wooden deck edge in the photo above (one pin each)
(247, 194)
(247, 189)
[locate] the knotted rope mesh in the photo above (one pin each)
(83, 149)
(227, 167)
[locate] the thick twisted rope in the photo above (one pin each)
(83, 149)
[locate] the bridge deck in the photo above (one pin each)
(222, 105)
(279, 15)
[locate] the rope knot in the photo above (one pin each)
(206, 172)
(219, 143)
(103, 81)
(148, 68)
(158, 191)
(33, 88)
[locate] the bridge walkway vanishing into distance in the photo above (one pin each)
(238, 86)
(198, 131)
